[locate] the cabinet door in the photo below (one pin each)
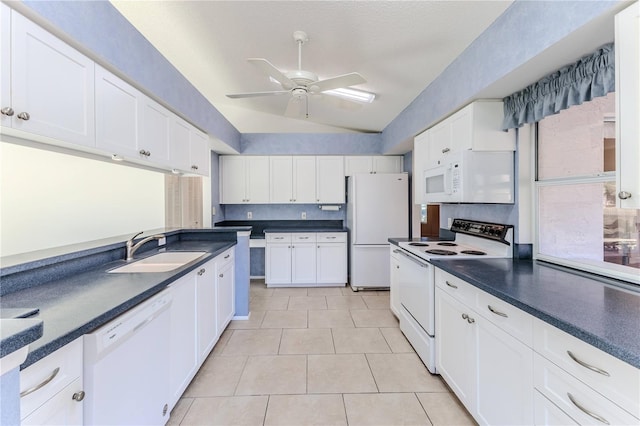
(199, 152)
(278, 263)
(179, 149)
(257, 180)
(628, 109)
(51, 82)
(357, 164)
(156, 133)
(118, 114)
(504, 389)
(394, 283)
(5, 66)
(61, 409)
(331, 263)
(303, 263)
(281, 179)
(232, 179)
(183, 337)
(304, 180)
(462, 129)
(225, 297)
(330, 185)
(455, 346)
(439, 142)
(387, 164)
(206, 309)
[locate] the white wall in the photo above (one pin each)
(49, 199)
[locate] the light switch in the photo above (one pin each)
(304, 215)
(249, 215)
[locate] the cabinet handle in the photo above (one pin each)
(587, 412)
(501, 314)
(194, 167)
(465, 316)
(145, 153)
(333, 238)
(303, 238)
(221, 275)
(624, 195)
(471, 320)
(445, 150)
(202, 271)
(451, 285)
(227, 256)
(78, 396)
(53, 374)
(588, 366)
(24, 116)
(8, 111)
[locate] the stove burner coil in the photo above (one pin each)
(419, 244)
(441, 252)
(447, 244)
(476, 252)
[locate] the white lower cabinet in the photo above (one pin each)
(184, 355)
(306, 259)
(51, 390)
(206, 309)
(225, 290)
(547, 413)
(489, 370)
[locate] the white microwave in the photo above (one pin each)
(471, 177)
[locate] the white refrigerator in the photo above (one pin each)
(377, 209)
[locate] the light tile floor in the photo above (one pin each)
(316, 356)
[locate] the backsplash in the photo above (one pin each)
(281, 212)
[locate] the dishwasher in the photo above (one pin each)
(126, 367)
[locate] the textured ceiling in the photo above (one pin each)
(398, 46)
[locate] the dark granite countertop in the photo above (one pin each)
(80, 302)
(17, 333)
(297, 230)
(258, 227)
(591, 309)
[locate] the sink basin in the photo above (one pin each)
(161, 262)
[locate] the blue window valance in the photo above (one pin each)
(590, 77)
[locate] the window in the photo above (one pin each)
(578, 224)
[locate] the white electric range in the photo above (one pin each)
(416, 276)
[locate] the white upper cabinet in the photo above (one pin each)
(628, 109)
(52, 85)
(330, 185)
(155, 135)
(355, 164)
(118, 114)
(244, 179)
(188, 147)
(292, 179)
(475, 127)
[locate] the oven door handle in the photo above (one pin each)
(413, 259)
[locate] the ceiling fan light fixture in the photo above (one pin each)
(352, 94)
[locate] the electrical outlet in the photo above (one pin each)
(213, 211)
(249, 215)
(304, 215)
(449, 222)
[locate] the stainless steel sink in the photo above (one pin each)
(161, 262)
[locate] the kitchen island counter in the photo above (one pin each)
(587, 307)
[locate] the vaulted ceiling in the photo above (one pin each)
(399, 47)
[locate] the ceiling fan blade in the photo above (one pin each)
(294, 107)
(345, 80)
(256, 94)
(269, 69)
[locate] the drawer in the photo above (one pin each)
(514, 321)
(546, 413)
(577, 400)
(42, 380)
(303, 237)
(457, 288)
(618, 381)
(332, 237)
(277, 237)
(226, 257)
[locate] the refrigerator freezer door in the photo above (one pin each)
(378, 207)
(369, 266)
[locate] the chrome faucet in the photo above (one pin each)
(131, 248)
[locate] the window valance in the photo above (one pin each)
(590, 77)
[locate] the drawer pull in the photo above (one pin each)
(202, 271)
(333, 238)
(303, 238)
(588, 366)
(587, 412)
(501, 314)
(451, 285)
(221, 275)
(52, 376)
(227, 256)
(78, 396)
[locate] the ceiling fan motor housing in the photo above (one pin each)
(302, 77)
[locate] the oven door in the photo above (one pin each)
(416, 284)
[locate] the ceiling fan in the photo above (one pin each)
(301, 83)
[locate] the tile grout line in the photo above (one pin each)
(423, 408)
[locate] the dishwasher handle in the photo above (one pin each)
(413, 259)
